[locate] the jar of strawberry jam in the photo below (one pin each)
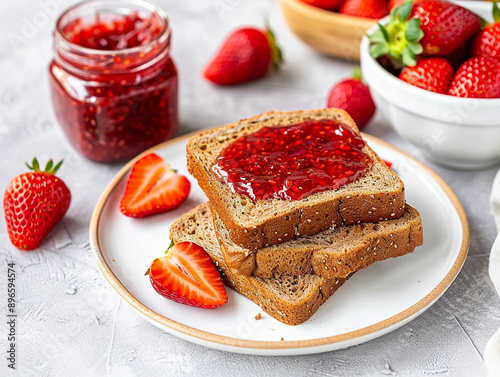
(113, 82)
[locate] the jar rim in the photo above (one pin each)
(148, 5)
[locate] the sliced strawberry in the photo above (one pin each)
(187, 275)
(388, 163)
(153, 188)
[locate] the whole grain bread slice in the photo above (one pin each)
(378, 195)
(289, 299)
(336, 252)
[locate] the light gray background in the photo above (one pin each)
(72, 323)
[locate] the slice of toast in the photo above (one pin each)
(331, 253)
(289, 299)
(378, 195)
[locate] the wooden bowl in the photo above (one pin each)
(328, 32)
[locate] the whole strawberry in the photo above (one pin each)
(446, 26)
(353, 96)
(365, 8)
(427, 28)
(478, 77)
(487, 42)
(247, 54)
(324, 4)
(34, 202)
(433, 74)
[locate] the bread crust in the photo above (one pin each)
(331, 253)
(271, 293)
(274, 221)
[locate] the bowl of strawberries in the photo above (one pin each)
(433, 68)
(333, 27)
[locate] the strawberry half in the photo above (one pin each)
(153, 188)
(388, 163)
(34, 202)
(427, 28)
(247, 54)
(187, 275)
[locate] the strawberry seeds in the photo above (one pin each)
(293, 162)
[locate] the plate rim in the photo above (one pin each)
(206, 336)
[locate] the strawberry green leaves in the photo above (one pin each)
(399, 39)
(496, 12)
(49, 168)
(276, 54)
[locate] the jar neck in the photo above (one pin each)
(92, 63)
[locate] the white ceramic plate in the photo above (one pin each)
(373, 302)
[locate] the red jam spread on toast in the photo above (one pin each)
(293, 162)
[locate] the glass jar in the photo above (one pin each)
(114, 85)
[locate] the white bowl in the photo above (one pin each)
(462, 133)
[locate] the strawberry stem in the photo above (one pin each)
(356, 73)
(169, 249)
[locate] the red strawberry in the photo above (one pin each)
(394, 3)
(353, 96)
(187, 275)
(427, 28)
(446, 26)
(433, 74)
(487, 42)
(153, 188)
(388, 163)
(365, 8)
(34, 202)
(324, 4)
(247, 54)
(478, 77)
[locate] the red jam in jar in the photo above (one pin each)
(293, 162)
(114, 84)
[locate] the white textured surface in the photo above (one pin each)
(72, 323)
